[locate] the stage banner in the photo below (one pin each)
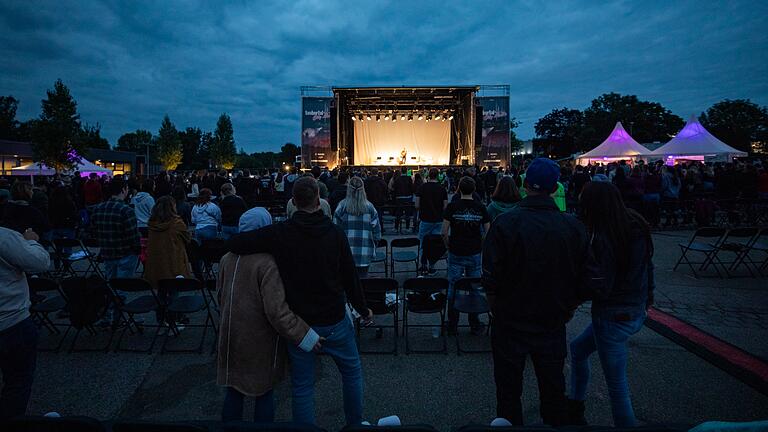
(316, 132)
(494, 149)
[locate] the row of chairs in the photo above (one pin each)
(86, 301)
(400, 251)
(422, 296)
(715, 243)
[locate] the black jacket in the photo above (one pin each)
(402, 186)
(232, 207)
(533, 264)
(376, 190)
(315, 263)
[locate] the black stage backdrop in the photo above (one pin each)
(494, 148)
(316, 132)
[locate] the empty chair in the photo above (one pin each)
(376, 297)
(146, 303)
(704, 241)
(761, 247)
(737, 241)
(47, 298)
(407, 256)
(52, 424)
(87, 301)
(147, 426)
(180, 304)
(425, 296)
(381, 257)
(468, 298)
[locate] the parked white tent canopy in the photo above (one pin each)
(85, 167)
(619, 145)
(694, 142)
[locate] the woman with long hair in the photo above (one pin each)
(206, 216)
(505, 197)
(167, 243)
(621, 278)
(360, 221)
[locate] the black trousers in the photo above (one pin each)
(18, 357)
(548, 352)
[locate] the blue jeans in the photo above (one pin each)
(263, 410)
(206, 233)
(229, 231)
(18, 357)
(341, 346)
(609, 338)
(124, 267)
(461, 266)
(425, 229)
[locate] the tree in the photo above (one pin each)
(289, 151)
(558, 132)
(190, 147)
(223, 149)
(645, 121)
(136, 142)
(515, 144)
(8, 124)
(738, 123)
(56, 136)
(168, 145)
(204, 156)
(90, 137)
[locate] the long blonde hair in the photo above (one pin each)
(356, 203)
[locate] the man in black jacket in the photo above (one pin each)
(376, 192)
(533, 270)
(319, 274)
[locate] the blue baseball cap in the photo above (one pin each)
(542, 175)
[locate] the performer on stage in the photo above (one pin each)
(403, 156)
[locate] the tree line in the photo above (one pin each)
(565, 131)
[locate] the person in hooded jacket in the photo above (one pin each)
(143, 203)
(504, 198)
(167, 243)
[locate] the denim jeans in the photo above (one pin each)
(229, 231)
(206, 233)
(341, 346)
(263, 410)
(427, 228)
(461, 266)
(609, 338)
(124, 267)
(18, 357)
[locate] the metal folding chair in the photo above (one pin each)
(712, 238)
(404, 256)
(70, 251)
(468, 298)
(87, 300)
(738, 241)
(375, 291)
(185, 305)
(42, 305)
(760, 246)
(381, 259)
(425, 296)
(140, 305)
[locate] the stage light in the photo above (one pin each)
(368, 117)
(443, 118)
(429, 117)
(360, 117)
(437, 117)
(394, 118)
(450, 117)
(421, 116)
(378, 118)
(386, 116)
(402, 117)
(410, 118)
(354, 118)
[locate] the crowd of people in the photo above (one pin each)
(290, 273)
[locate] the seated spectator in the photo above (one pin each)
(254, 315)
(206, 216)
(232, 207)
(18, 215)
(183, 209)
(167, 243)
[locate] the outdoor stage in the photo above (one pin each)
(411, 126)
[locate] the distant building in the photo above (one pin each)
(15, 153)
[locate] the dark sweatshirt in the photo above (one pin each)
(315, 263)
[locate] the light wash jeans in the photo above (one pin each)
(609, 338)
(341, 346)
(458, 267)
(425, 229)
(229, 231)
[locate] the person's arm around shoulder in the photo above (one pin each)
(23, 251)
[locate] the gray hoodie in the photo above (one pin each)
(17, 256)
(142, 205)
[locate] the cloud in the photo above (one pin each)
(127, 64)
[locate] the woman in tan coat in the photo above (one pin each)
(167, 243)
(254, 316)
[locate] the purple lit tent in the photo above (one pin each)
(618, 146)
(694, 142)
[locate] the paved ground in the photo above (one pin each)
(668, 383)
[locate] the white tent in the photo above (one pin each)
(84, 167)
(695, 142)
(618, 145)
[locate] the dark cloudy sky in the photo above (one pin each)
(128, 64)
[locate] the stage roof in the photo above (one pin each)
(403, 98)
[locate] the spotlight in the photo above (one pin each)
(450, 117)
(443, 118)
(402, 117)
(437, 117)
(429, 117)
(368, 117)
(421, 116)
(360, 117)
(410, 118)
(394, 118)
(386, 116)
(354, 118)
(378, 118)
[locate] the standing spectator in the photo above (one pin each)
(183, 209)
(402, 190)
(206, 216)
(63, 214)
(142, 205)
(251, 354)
(288, 182)
(376, 192)
(19, 254)
(248, 188)
(318, 293)
(221, 178)
(359, 220)
(431, 199)
(18, 215)
(464, 224)
(232, 207)
(323, 188)
(92, 190)
(533, 260)
(163, 185)
(167, 243)
(490, 179)
(505, 197)
(339, 193)
(621, 286)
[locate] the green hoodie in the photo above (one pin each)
(496, 208)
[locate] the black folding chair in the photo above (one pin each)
(243, 426)
(403, 256)
(381, 258)
(52, 424)
(185, 305)
(70, 251)
(148, 426)
(43, 305)
(140, 305)
(487, 428)
(468, 298)
(375, 291)
(737, 241)
(425, 296)
(211, 252)
(760, 246)
(87, 301)
(403, 428)
(712, 237)
(433, 248)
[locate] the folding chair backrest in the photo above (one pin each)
(212, 250)
(433, 247)
(742, 233)
(141, 426)
(375, 291)
(87, 299)
(40, 284)
(467, 285)
(404, 242)
(130, 284)
(53, 424)
(709, 232)
(60, 243)
(179, 285)
(382, 243)
(425, 285)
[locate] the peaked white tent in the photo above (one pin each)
(694, 142)
(85, 167)
(619, 145)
